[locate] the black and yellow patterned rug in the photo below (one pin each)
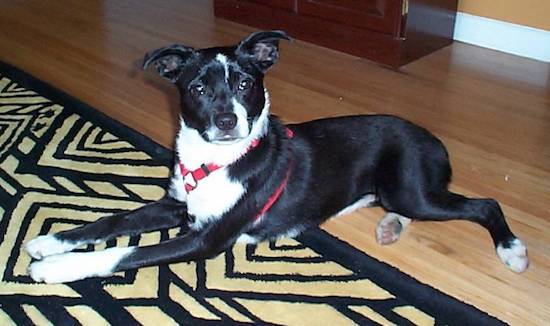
(62, 164)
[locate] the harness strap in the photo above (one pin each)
(204, 170)
(197, 175)
(273, 198)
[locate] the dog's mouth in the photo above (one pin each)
(226, 140)
(226, 137)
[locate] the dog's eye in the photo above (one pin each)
(198, 90)
(245, 84)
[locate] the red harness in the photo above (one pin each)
(205, 169)
(274, 196)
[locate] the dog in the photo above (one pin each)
(242, 175)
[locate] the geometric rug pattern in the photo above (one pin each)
(63, 164)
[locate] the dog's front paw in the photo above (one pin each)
(514, 255)
(75, 266)
(55, 269)
(48, 245)
(64, 268)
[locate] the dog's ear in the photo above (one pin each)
(262, 47)
(168, 60)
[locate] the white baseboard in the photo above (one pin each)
(502, 36)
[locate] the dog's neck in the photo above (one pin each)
(193, 150)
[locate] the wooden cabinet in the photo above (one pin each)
(391, 32)
(380, 16)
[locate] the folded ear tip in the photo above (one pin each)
(283, 35)
(172, 49)
(280, 34)
(150, 57)
(266, 35)
(146, 61)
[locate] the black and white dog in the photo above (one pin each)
(241, 175)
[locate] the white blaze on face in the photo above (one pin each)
(223, 60)
(242, 118)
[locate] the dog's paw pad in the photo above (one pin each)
(388, 230)
(47, 245)
(514, 255)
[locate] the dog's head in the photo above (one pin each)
(221, 89)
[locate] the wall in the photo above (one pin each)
(532, 13)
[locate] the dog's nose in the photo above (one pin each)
(225, 120)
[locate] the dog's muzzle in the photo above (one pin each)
(227, 129)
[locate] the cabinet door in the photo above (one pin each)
(378, 15)
(289, 5)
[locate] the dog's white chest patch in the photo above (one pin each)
(213, 197)
(176, 189)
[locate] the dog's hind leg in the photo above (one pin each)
(414, 184)
(390, 227)
(164, 213)
(445, 206)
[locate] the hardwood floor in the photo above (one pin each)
(492, 110)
